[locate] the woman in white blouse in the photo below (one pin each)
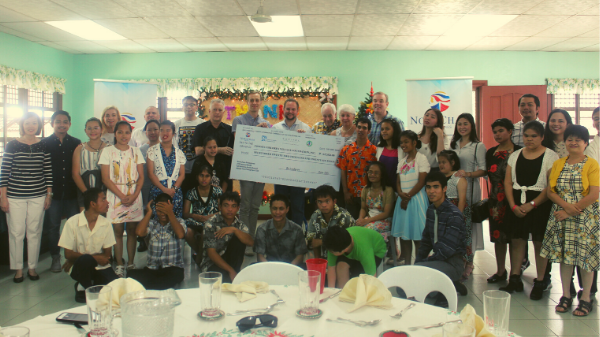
(110, 117)
(471, 153)
(558, 120)
(525, 184)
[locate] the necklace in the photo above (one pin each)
(346, 131)
(93, 148)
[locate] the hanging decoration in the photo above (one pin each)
(34, 81)
(229, 109)
(281, 112)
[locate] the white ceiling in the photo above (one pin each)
(221, 25)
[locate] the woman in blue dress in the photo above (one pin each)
(411, 207)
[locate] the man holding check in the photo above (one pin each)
(291, 109)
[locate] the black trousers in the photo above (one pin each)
(234, 256)
(84, 271)
(158, 279)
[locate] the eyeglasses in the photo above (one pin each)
(249, 322)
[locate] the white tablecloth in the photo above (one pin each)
(188, 324)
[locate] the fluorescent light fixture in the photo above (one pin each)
(281, 26)
(478, 25)
(86, 29)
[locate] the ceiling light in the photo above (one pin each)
(86, 29)
(478, 25)
(281, 26)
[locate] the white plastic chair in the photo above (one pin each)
(274, 273)
(419, 281)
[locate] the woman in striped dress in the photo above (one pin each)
(86, 170)
(26, 187)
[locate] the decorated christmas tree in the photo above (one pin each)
(366, 107)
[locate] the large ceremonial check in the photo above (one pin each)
(285, 157)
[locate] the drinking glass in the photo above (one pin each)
(496, 310)
(309, 285)
(15, 331)
(456, 329)
(99, 307)
(210, 294)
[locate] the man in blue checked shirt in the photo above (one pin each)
(166, 232)
(380, 105)
(444, 233)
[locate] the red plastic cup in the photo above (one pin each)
(319, 265)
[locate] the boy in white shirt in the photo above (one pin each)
(87, 239)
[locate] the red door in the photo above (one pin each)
(502, 102)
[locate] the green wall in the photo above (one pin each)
(355, 70)
(22, 54)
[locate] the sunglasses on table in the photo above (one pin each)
(247, 323)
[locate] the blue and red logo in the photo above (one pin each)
(439, 100)
(129, 118)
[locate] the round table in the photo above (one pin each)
(188, 324)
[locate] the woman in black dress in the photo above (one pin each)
(526, 183)
(496, 160)
(216, 161)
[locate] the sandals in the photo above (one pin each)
(564, 304)
(583, 307)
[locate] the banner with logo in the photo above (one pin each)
(131, 99)
(452, 96)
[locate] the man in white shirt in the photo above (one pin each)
(87, 239)
(529, 108)
(138, 136)
(291, 109)
(184, 133)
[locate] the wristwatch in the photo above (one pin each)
(533, 204)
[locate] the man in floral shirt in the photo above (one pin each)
(327, 215)
(353, 161)
(330, 121)
(225, 239)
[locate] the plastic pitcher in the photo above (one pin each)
(149, 313)
(319, 265)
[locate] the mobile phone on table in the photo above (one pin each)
(69, 317)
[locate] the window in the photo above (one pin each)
(579, 107)
(174, 107)
(14, 101)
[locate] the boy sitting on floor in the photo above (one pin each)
(164, 269)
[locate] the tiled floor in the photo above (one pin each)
(54, 292)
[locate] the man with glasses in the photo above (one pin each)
(184, 134)
(353, 161)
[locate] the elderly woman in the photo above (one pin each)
(110, 117)
(573, 233)
(348, 129)
(330, 122)
(526, 183)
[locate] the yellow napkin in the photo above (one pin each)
(246, 290)
(366, 290)
(470, 317)
(122, 286)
